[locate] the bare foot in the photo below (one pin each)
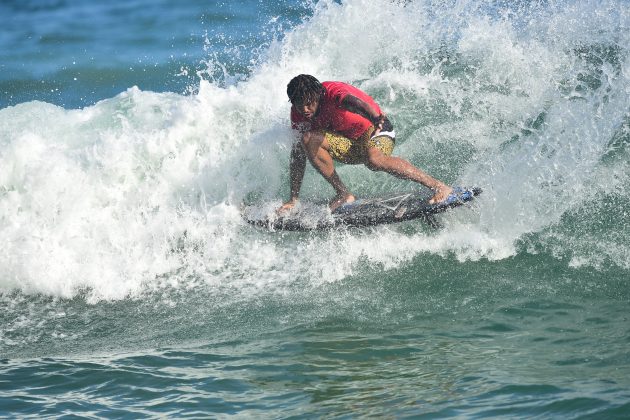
(340, 200)
(441, 194)
(286, 207)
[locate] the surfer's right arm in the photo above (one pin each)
(297, 167)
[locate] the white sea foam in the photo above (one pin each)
(143, 190)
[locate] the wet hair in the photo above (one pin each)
(304, 89)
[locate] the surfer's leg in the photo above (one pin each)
(378, 161)
(317, 149)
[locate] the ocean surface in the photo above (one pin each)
(133, 132)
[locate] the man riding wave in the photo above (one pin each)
(337, 121)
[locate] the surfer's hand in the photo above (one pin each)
(287, 206)
(378, 124)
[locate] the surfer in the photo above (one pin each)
(337, 121)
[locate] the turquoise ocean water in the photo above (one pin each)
(132, 132)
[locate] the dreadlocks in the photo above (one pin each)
(304, 89)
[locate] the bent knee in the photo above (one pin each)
(312, 137)
(375, 162)
(306, 138)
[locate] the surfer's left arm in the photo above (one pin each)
(359, 106)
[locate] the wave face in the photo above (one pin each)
(142, 190)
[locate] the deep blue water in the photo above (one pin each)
(131, 134)
(73, 53)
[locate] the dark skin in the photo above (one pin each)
(314, 147)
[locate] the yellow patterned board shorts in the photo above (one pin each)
(354, 152)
